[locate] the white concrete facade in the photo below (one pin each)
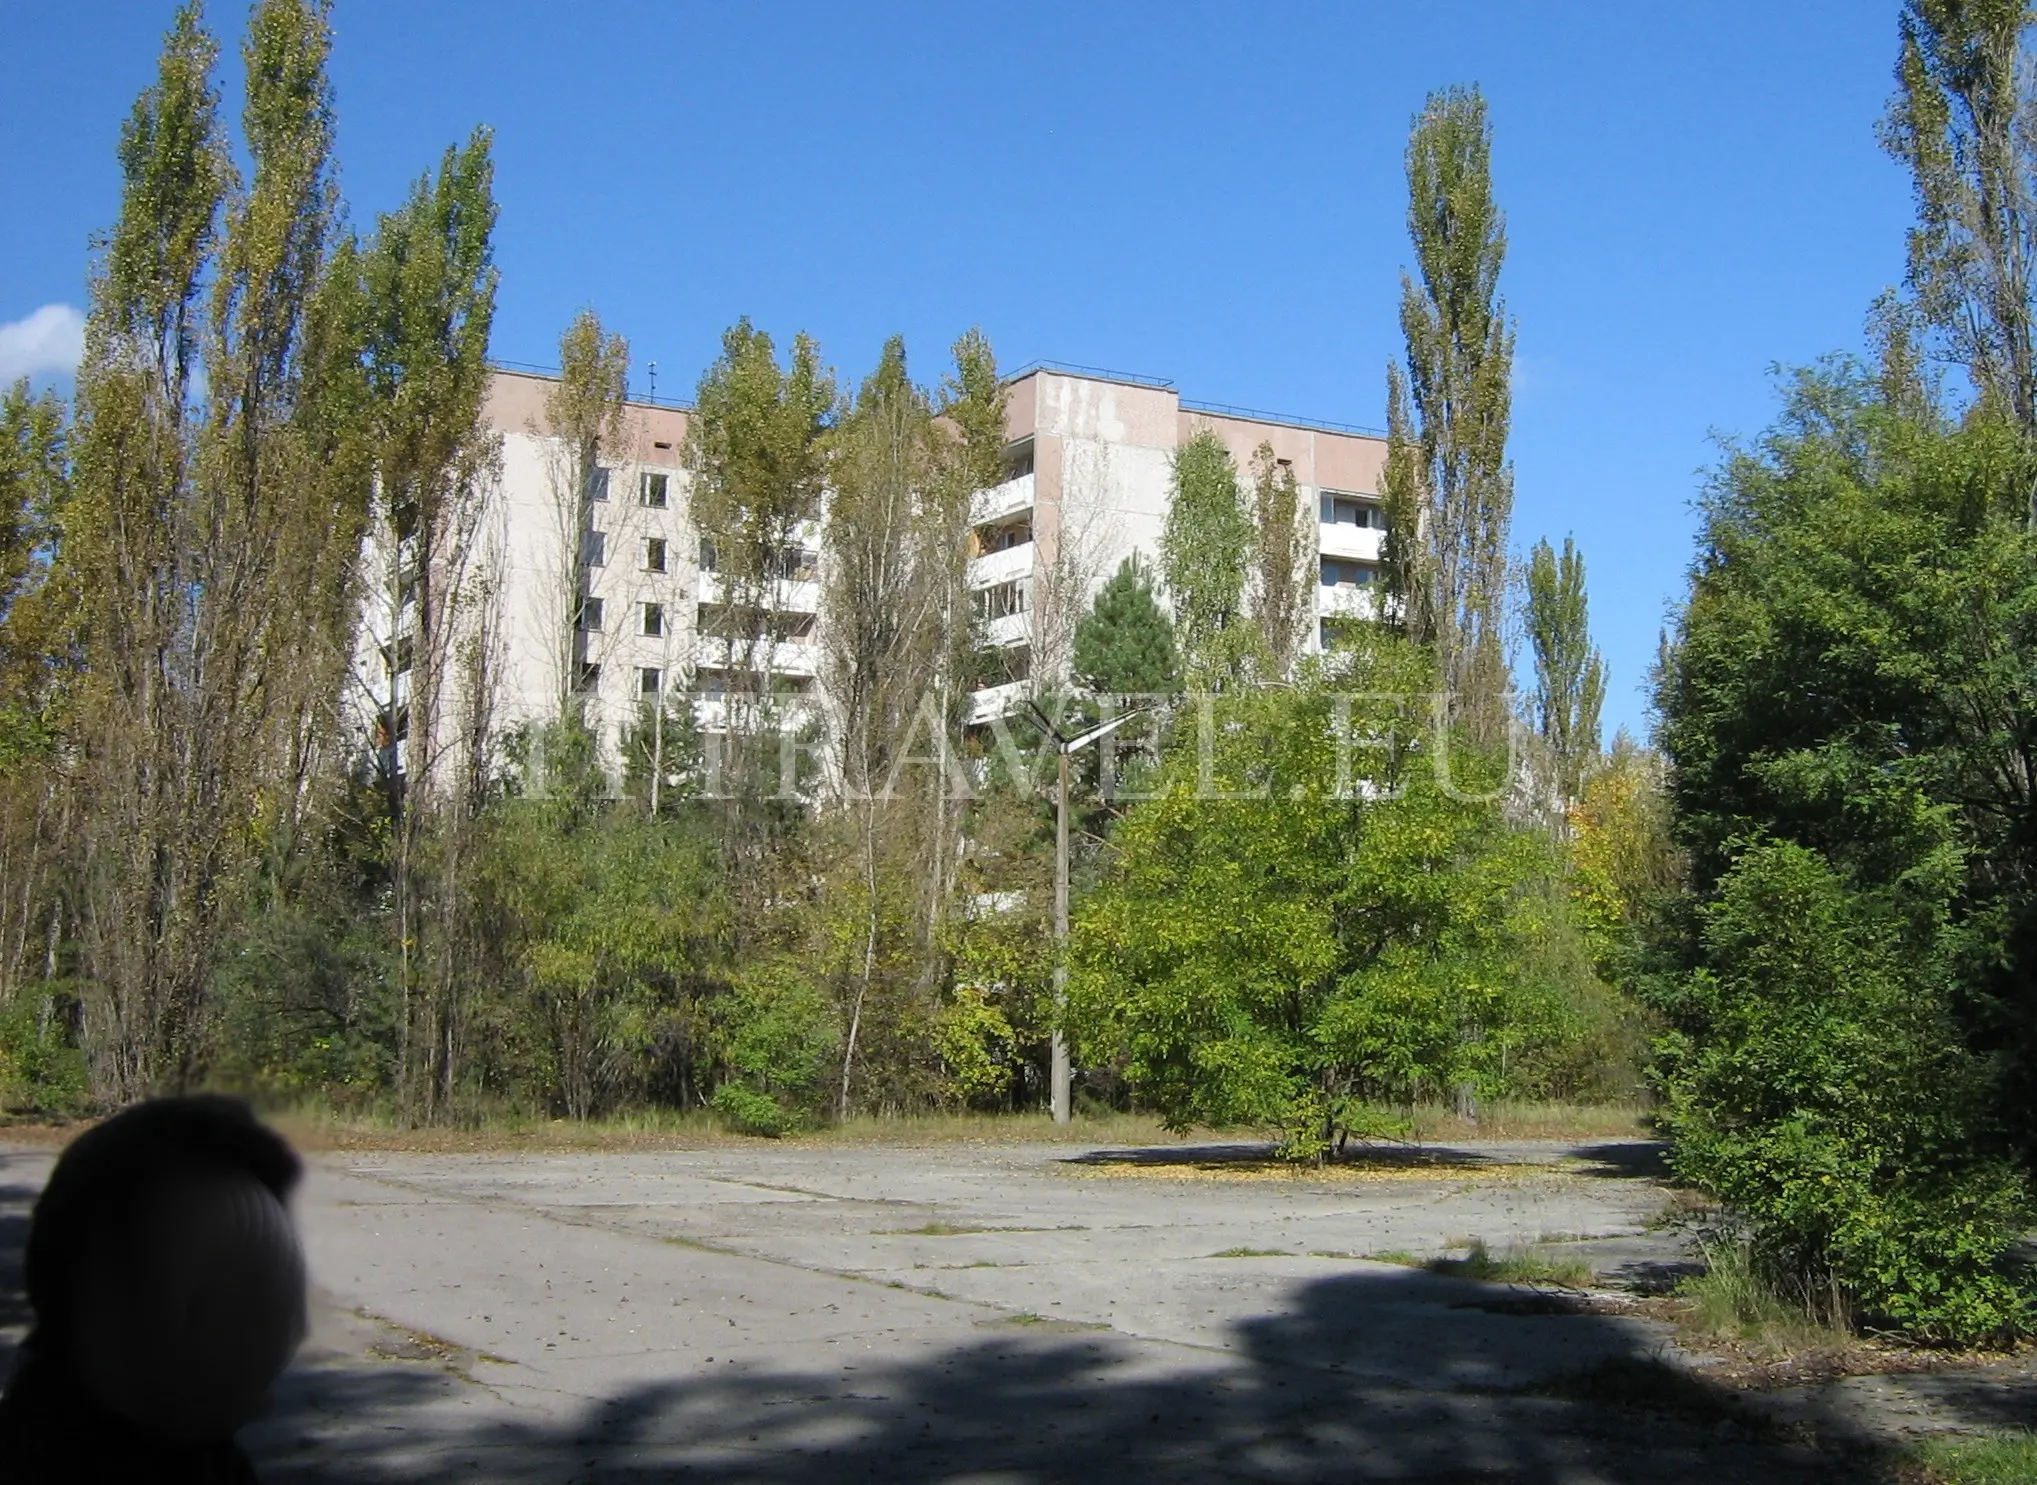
(1090, 456)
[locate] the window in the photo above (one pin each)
(590, 613)
(652, 490)
(597, 483)
(794, 564)
(597, 548)
(590, 679)
(1348, 510)
(654, 554)
(1337, 632)
(399, 657)
(1018, 460)
(1004, 600)
(1339, 573)
(1004, 538)
(650, 680)
(397, 724)
(654, 619)
(710, 560)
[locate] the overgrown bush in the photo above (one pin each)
(750, 1112)
(1824, 1093)
(42, 1071)
(1323, 913)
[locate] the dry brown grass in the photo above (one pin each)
(314, 1127)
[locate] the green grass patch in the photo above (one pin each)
(1253, 1253)
(1993, 1459)
(1399, 1256)
(1027, 1320)
(1526, 1266)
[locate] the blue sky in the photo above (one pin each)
(1207, 193)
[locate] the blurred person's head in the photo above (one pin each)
(164, 1269)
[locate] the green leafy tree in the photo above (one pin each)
(1124, 645)
(1448, 486)
(1304, 926)
(585, 413)
(1205, 548)
(427, 286)
(1284, 548)
(1570, 675)
(897, 530)
(207, 508)
(1825, 1092)
(614, 923)
(1964, 120)
(1851, 680)
(37, 655)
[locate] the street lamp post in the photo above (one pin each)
(1064, 745)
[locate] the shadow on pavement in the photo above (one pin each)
(1368, 1375)
(1641, 1160)
(1212, 1157)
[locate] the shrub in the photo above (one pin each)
(41, 1071)
(1824, 1093)
(747, 1111)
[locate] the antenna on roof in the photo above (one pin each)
(654, 381)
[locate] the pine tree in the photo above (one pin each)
(1570, 676)
(1448, 486)
(1124, 645)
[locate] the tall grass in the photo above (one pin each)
(1734, 1299)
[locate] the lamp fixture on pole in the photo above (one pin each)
(1064, 745)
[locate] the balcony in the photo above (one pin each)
(1345, 540)
(1348, 601)
(787, 657)
(1006, 566)
(710, 713)
(784, 595)
(997, 701)
(1007, 499)
(1012, 629)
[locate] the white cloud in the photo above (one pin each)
(51, 339)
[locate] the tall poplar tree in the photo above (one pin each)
(1282, 549)
(428, 287)
(1448, 486)
(1206, 547)
(756, 446)
(1964, 120)
(585, 413)
(1570, 675)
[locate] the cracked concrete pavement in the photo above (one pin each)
(965, 1312)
